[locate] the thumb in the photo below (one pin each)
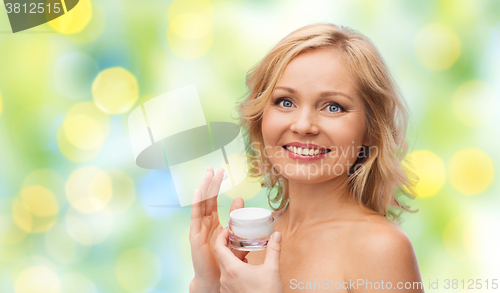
(238, 203)
(273, 250)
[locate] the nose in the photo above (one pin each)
(304, 123)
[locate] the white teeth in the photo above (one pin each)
(305, 152)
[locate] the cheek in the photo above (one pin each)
(271, 125)
(346, 131)
(265, 128)
(347, 137)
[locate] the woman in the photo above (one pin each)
(327, 89)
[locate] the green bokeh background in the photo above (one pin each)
(445, 56)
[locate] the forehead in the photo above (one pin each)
(316, 71)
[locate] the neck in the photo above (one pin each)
(313, 203)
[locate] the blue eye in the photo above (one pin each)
(333, 108)
(285, 100)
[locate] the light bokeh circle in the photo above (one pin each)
(115, 90)
(37, 279)
(39, 201)
(437, 47)
(475, 103)
(123, 191)
(464, 235)
(453, 237)
(35, 209)
(89, 229)
(471, 171)
(190, 29)
(22, 216)
(10, 233)
(82, 132)
(190, 26)
(75, 20)
(430, 170)
(89, 189)
(95, 27)
(188, 48)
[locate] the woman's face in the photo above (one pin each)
(298, 112)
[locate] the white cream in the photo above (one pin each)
(225, 173)
(250, 228)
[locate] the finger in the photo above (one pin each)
(241, 254)
(273, 251)
(238, 203)
(205, 183)
(213, 191)
(195, 225)
(212, 198)
(222, 251)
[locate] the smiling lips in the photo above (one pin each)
(307, 153)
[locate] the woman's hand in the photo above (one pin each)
(238, 276)
(204, 229)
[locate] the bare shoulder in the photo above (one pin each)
(376, 230)
(383, 252)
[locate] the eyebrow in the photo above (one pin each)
(323, 94)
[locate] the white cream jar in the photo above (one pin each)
(250, 228)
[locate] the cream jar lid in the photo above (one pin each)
(250, 216)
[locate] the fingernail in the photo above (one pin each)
(277, 237)
(225, 176)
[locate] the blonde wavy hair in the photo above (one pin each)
(380, 177)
